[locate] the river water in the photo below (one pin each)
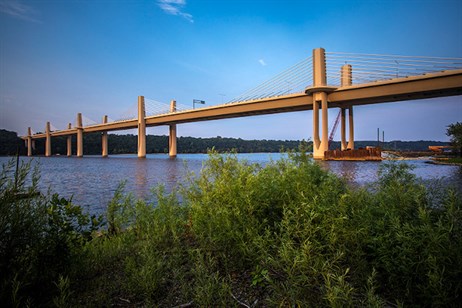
(92, 180)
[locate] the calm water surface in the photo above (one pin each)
(92, 180)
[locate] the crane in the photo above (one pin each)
(334, 128)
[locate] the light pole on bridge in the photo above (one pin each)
(222, 96)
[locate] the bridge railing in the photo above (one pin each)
(376, 67)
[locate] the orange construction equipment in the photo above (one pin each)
(334, 128)
(439, 148)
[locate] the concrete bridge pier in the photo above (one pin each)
(29, 141)
(141, 128)
(48, 140)
(104, 145)
(344, 144)
(319, 91)
(320, 143)
(69, 142)
(172, 136)
(79, 135)
(351, 141)
(346, 80)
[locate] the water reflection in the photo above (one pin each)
(172, 172)
(361, 173)
(346, 169)
(141, 178)
(92, 181)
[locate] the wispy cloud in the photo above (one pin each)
(262, 62)
(19, 10)
(175, 7)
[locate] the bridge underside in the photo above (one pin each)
(447, 83)
(402, 89)
(421, 87)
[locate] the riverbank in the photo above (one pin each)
(288, 233)
(408, 154)
(429, 156)
(454, 161)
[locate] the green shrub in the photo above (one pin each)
(285, 234)
(39, 235)
(311, 240)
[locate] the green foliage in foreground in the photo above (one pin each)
(39, 238)
(287, 234)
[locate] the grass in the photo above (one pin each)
(287, 234)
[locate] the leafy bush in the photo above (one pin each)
(38, 237)
(287, 234)
(239, 234)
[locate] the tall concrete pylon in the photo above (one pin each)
(69, 142)
(29, 141)
(104, 143)
(346, 80)
(351, 141)
(79, 135)
(319, 92)
(141, 128)
(172, 135)
(48, 140)
(343, 144)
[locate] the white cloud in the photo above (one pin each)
(262, 62)
(175, 7)
(19, 10)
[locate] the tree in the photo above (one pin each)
(455, 132)
(10, 143)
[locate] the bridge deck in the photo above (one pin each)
(446, 83)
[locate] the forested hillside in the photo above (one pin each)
(10, 143)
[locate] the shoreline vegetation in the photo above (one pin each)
(453, 161)
(238, 234)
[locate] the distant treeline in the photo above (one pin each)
(10, 144)
(122, 144)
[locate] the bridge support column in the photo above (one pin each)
(47, 140)
(316, 140)
(350, 144)
(172, 136)
(343, 145)
(351, 139)
(69, 142)
(141, 128)
(79, 135)
(346, 80)
(320, 143)
(104, 146)
(29, 142)
(319, 92)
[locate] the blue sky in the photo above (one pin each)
(58, 58)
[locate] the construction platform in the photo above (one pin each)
(368, 154)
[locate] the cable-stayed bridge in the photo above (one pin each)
(321, 81)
